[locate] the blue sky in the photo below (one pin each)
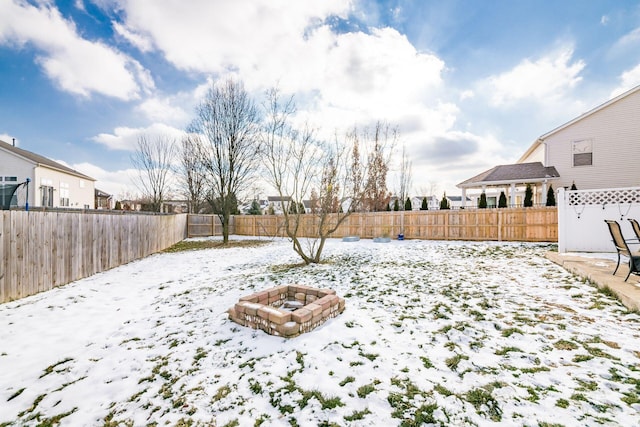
(470, 83)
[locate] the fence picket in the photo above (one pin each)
(42, 250)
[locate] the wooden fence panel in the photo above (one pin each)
(42, 250)
(539, 224)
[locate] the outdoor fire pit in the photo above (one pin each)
(287, 310)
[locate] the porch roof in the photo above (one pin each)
(519, 173)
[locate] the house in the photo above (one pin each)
(51, 183)
(512, 180)
(279, 204)
(598, 149)
(103, 200)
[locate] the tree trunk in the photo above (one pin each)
(225, 228)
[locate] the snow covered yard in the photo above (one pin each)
(444, 333)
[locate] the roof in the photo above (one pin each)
(41, 160)
(279, 199)
(100, 193)
(589, 113)
(508, 174)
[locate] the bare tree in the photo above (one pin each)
(153, 160)
(300, 166)
(227, 122)
(191, 172)
(381, 143)
(405, 177)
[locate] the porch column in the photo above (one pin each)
(464, 197)
(512, 195)
(544, 192)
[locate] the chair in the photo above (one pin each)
(623, 249)
(636, 228)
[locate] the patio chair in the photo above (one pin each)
(636, 228)
(623, 249)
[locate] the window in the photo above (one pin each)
(582, 152)
(46, 192)
(64, 194)
(10, 179)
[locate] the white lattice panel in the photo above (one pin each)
(604, 197)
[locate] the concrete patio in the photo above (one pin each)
(599, 271)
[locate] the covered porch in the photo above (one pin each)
(512, 179)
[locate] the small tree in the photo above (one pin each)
(255, 208)
(482, 202)
(573, 186)
(118, 206)
(444, 203)
(407, 205)
(425, 204)
(528, 196)
(396, 205)
(551, 196)
(502, 201)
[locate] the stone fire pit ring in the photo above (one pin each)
(287, 310)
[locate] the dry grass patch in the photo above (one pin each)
(191, 245)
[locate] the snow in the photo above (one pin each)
(448, 333)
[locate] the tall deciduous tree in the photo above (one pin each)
(153, 159)
(227, 121)
(191, 173)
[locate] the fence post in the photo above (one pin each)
(562, 220)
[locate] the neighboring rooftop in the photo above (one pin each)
(516, 173)
(41, 160)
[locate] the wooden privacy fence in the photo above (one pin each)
(42, 250)
(206, 225)
(539, 224)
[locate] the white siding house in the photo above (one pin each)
(599, 149)
(52, 184)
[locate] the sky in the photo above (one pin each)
(470, 84)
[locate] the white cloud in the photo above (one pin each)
(174, 110)
(125, 138)
(547, 78)
(628, 80)
(119, 183)
(138, 40)
(76, 65)
(9, 139)
(604, 20)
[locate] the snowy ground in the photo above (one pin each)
(444, 333)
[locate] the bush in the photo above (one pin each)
(551, 197)
(444, 203)
(425, 204)
(482, 201)
(407, 205)
(396, 205)
(502, 201)
(255, 208)
(528, 197)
